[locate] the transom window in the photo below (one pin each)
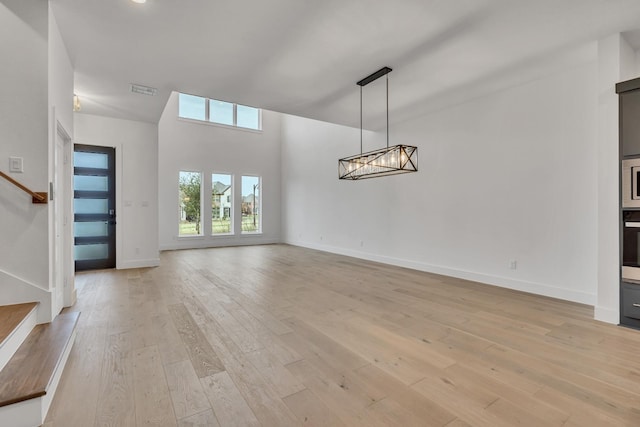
(220, 112)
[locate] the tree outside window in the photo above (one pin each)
(190, 199)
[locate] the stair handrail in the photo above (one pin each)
(36, 197)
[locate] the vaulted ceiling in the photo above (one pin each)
(304, 57)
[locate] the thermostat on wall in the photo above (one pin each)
(15, 164)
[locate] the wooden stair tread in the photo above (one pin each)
(28, 373)
(11, 316)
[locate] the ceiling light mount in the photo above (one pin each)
(385, 161)
(375, 76)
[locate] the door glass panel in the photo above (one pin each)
(83, 159)
(91, 229)
(91, 206)
(90, 183)
(86, 252)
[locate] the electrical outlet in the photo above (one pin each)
(513, 264)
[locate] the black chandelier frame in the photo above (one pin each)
(386, 161)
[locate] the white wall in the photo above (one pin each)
(24, 247)
(190, 146)
(509, 176)
(37, 78)
(60, 77)
(136, 145)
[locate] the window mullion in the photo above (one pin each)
(235, 114)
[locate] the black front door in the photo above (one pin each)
(94, 207)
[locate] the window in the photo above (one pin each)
(219, 112)
(221, 206)
(248, 117)
(251, 204)
(190, 202)
(191, 107)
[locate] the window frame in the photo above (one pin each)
(260, 184)
(206, 107)
(233, 113)
(235, 116)
(207, 114)
(231, 204)
(201, 221)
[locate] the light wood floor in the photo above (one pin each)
(279, 336)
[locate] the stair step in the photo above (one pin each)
(30, 371)
(16, 322)
(11, 316)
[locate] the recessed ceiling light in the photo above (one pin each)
(139, 1)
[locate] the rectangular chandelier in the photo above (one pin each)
(385, 161)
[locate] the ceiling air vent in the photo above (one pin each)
(143, 90)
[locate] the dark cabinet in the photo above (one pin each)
(630, 304)
(629, 102)
(630, 123)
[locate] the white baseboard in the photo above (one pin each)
(607, 315)
(139, 263)
(202, 242)
(504, 282)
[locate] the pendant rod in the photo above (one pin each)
(387, 110)
(360, 120)
(384, 71)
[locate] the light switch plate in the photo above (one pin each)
(15, 164)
